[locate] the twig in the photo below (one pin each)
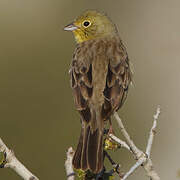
(141, 157)
(131, 144)
(116, 167)
(109, 158)
(133, 168)
(13, 163)
(152, 133)
(68, 164)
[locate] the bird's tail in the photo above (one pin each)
(89, 152)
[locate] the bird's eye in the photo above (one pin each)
(86, 23)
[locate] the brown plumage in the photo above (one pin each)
(100, 76)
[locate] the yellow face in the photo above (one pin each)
(91, 25)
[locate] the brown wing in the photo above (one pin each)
(81, 82)
(118, 79)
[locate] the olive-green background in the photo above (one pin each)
(37, 116)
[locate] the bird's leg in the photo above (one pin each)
(110, 127)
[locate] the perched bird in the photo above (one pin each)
(100, 76)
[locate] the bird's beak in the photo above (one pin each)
(70, 27)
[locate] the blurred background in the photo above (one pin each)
(37, 115)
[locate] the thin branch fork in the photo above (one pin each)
(141, 157)
(12, 162)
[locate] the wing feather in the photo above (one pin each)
(81, 83)
(118, 79)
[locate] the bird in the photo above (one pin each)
(100, 76)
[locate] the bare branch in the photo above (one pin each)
(131, 144)
(68, 164)
(13, 163)
(133, 168)
(141, 157)
(152, 132)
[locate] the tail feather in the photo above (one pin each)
(89, 152)
(77, 156)
(84, 163)
(92, 150)
(100, 155)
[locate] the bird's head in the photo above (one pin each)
(90, 25)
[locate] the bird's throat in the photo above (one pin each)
(81, 37)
